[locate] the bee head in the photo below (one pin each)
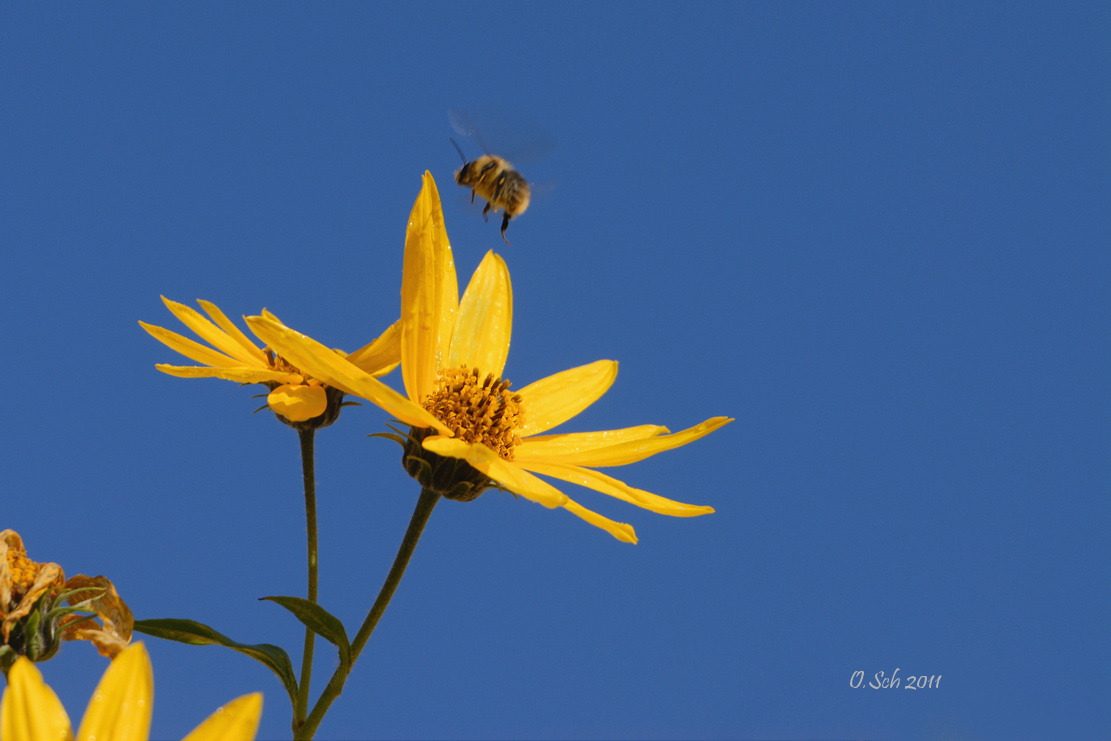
(463, 175)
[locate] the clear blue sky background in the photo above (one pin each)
(876, 234)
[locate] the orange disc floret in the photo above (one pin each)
(478, 410)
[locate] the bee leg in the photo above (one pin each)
(486, 211)
(504, 224)
(472, 196)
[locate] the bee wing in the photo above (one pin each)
(460, 123)
(544, 189)
(535, 150)
(517, 139)
(464, 127)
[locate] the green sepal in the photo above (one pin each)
(8, 657)
(398, 436)
(57, 610)
(198, 634)
(462, 491)
(38, 636)
(424, 474)
(38, 646)
(319, 621)
(389, 436)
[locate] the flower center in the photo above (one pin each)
(478, 410)
(278, 363)
(304, 403)
(23, 571)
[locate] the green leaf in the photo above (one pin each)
(198, 634)
(319, 621)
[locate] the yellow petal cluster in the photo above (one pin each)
(120, 707)
(231, 355)
(439, 332)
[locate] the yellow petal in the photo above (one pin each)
(382, 355)
(615, 488)
(429, 294)
(239, 375)
(556, 399)
(210, 333)
(509, 475)
(189, 348)
(636, 450)
(519, 481)
(333, 369)
(235, 332)
(236, 721)
(542, 447)
(619, 530)
(482, 329)
(298, 403)
(121, 704)
(30, 711)
(385, 370)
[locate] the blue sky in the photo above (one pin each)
(876, 234)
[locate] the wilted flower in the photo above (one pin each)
(40, 608)
(469, 431)
(120, 708)
(297, 398)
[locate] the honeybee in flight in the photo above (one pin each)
(494, 179)
(491, 177)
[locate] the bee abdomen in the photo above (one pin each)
(514, 192)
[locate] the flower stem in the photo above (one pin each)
(309, 475)
(425, 505)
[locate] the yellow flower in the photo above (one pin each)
(295, 396)
(120, 709)
(452, 355)
(34, 624)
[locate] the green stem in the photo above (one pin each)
(425, 505)
(308, 472)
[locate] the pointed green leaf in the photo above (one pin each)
(198, 634)
(319, 621)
